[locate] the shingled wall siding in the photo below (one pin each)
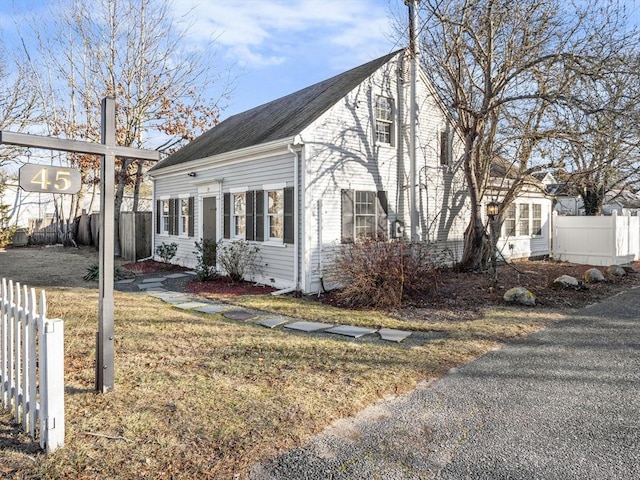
(251, 174)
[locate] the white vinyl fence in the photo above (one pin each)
(601, 241)
(32, 364)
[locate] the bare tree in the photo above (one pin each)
(504, 68)
(135, 51)
(601, 157)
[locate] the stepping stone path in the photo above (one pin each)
(154, 286)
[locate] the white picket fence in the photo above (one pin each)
(32, 364)
(602, 240)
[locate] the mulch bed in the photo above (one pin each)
(458, 294)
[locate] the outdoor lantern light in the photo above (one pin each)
(492, 209)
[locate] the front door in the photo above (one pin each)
(209, 218)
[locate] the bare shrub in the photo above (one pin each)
(382, 274)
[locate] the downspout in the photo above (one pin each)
(296, 214)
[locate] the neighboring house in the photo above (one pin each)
(623, 203)
(569, 202)
(526, 230)
(321, 167)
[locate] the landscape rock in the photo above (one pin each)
(566, 281)
(629, 268)
(593, 275)
(616, 271)
(520, 295)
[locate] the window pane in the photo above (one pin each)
(365, 203)
(239, 203)
(276, 202)
(536, 222)
(510, 221)
(523, 219)
(275, 227)
(383, 108)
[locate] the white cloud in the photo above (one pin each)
(257, 33)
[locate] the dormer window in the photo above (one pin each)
(384, 119)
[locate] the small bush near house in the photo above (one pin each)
(381, 274)
(238, 258)
(206, 253)
(166, 251)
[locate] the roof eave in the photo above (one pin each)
(252, 151)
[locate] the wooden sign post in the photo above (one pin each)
(109, 151)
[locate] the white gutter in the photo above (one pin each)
(296, 213)
(243, 153)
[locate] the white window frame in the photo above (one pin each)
(365, 222)
(516, 224)
(164, 216)
(510, 221)
(268, 215)
(384, 120)
(236, 216)
(183, 216)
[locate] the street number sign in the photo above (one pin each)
(45, 178)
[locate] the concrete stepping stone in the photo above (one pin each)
(211, 308)
(308, 326)
(154, 280)
(391, 335)
(147, 286)
(190, 305)
(125, 281)
(351, 331)
(272, 322)
(239, 315)
(176, 300)
(162, 293)
(177, 275)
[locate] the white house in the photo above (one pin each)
(527, 227)
(322, 166)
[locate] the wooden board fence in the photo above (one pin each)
(32, 364)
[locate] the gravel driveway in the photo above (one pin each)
(559, 404)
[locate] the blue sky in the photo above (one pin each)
(272, 47)
(275, 47)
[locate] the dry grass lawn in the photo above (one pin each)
(198, 396)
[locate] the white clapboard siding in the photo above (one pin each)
(32, 364)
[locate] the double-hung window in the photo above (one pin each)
(364, 215)
(275, 214)
(536, 219)
(510, 221)
(523, 219)
(185, 214)
(384, 119)
(239, 214)
(164, 216)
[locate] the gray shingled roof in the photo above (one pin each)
(281, 118)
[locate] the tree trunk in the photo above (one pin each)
(592, 200)
(136, 187)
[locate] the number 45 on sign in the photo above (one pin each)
(44, 178)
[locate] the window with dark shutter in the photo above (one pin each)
(250, 212)
(259, 214)
(191, 231)
(174, 210)
(364, 214)
(347, 216)
(226, 209)
(382, 214)
(158, 215)
(289, 215)
(445, 146)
